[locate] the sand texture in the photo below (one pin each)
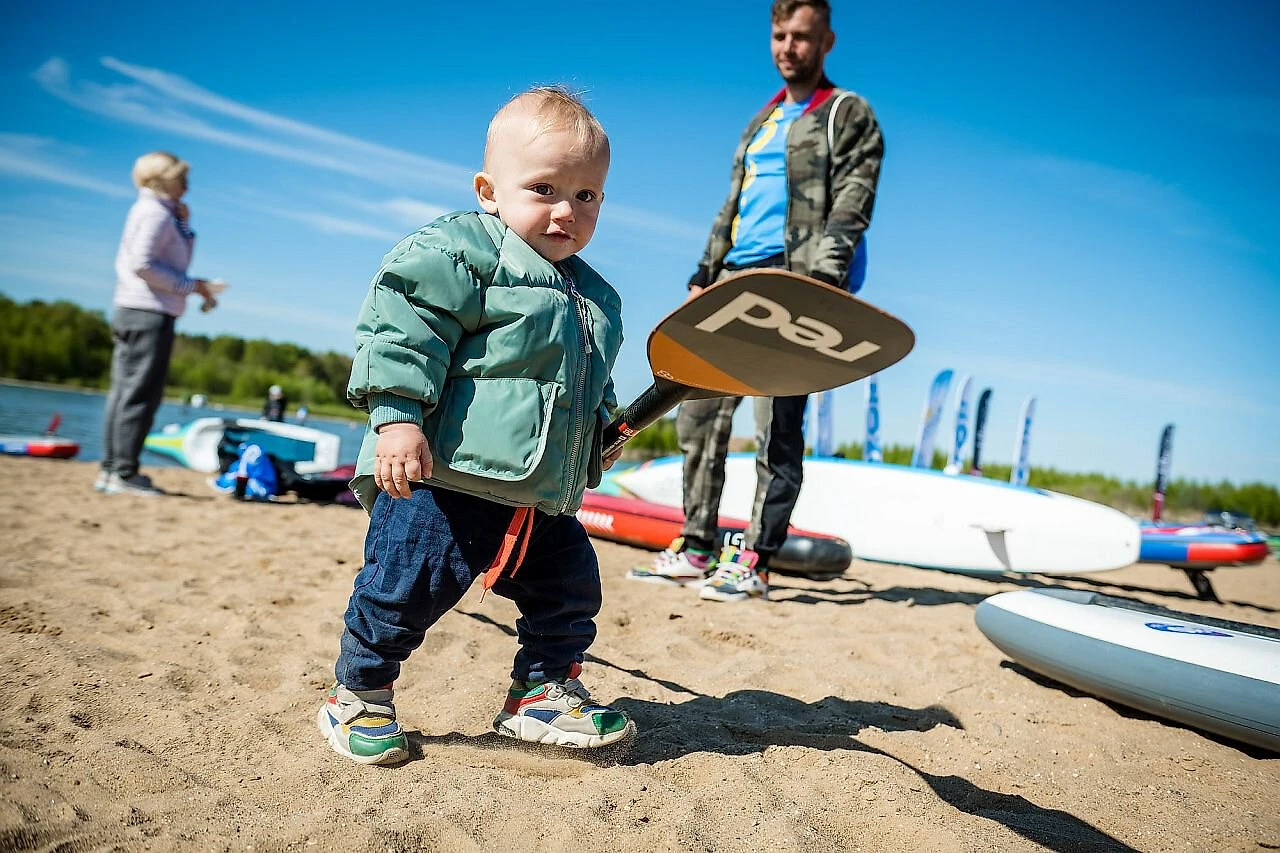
(164, 660)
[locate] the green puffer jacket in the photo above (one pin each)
(502, 357)
(831, 189)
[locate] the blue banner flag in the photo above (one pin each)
(929, 420)
(871, 451)
(1022, 470)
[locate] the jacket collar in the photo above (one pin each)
(163, 200)
(820, 94)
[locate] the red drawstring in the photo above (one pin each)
(519, 530)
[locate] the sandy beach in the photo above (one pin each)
(165, 659)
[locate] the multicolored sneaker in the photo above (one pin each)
(677, 566)
(361, 724)
(736, 577)
(560, 713)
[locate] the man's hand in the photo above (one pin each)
(401, 456)
(694, 292)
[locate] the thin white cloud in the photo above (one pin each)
(185, 91)
(1132, 192)
(1040, 373)
(98, 281)
(1247, 114)
(137, 104)
(402, 210)
(330, 224)
(650, 223)
(28, 157)
(164, 101)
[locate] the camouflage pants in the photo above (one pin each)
(703, 428)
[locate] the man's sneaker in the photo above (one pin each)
(100, 483)
(560, 713)
(361, 724)
(677, 566)
(138, 484)
(736, 577)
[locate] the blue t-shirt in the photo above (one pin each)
(762, 205)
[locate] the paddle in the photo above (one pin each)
(761, 333)
(54, 423)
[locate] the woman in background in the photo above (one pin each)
(151, 292)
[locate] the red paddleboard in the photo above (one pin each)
(648, 525)
(48, 447)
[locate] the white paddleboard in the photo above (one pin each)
(1219, 676)
(920, 517)
(195, 444)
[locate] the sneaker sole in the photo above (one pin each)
(394, 755)
(530, 730)
(142, 493)
(664, 580)
(711, 594)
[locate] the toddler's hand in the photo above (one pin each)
(606, 461)
(401, 456)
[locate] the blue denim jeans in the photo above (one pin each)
(422, 554)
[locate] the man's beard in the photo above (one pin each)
(807, 73)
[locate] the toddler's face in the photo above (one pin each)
(544, 190)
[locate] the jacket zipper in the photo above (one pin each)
(578, 414)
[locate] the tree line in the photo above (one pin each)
(62, 343)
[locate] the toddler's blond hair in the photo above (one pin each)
(553, 108)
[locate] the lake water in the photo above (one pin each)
(26, 410)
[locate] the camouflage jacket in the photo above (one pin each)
(831, 190)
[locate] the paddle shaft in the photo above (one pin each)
(658, 399)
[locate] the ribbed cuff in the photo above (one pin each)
(700, 278)
(385, 408)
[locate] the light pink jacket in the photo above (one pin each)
(155, 251)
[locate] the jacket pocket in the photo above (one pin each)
(595, 463)
(495, 428)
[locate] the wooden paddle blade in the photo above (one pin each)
(775, 333)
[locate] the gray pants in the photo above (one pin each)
(139, 366)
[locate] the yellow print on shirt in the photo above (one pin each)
(766, 132)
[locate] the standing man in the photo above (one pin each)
(801, 195)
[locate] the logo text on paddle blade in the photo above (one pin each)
(755, 310)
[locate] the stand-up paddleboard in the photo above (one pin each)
(1198, 546)
(648, 525)
(921, 517)
(761, 333)
(1219, 676)
(195, 444)
(45, 446)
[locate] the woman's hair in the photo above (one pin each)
(159, 171)
(554, 108)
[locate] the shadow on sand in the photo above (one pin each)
(749, 721)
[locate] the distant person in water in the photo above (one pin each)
(276, 403)
(151, 292)
(303, 413)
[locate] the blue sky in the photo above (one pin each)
(1078, 200)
